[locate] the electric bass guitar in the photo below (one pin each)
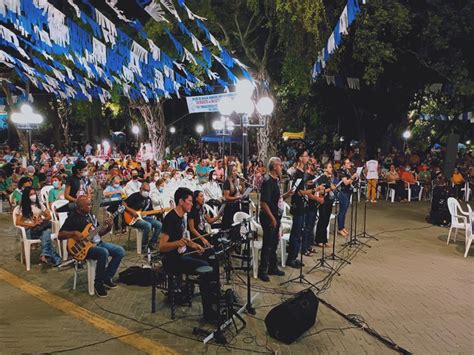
(79, 248)
(130, 220)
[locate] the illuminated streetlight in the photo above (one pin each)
(244, 89)
(265, 106)
(172, 129)
(468, 142)
(226, 106)
(26, 119)
(406, 135)
(135, 129)
(199, 128)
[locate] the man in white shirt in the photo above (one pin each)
(371, 172)
(133, 185)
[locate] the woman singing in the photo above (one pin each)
(232, 196)
(344, 195)
(326, 207)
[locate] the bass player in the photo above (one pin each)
(140, 202)
(75, 223)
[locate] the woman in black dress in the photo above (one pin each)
(232, 196)
(326, 207)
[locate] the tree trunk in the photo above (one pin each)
(267, 136)
(64, 113)
(154, 118)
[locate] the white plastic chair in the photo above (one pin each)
(467, 191)
(409, 191)
(91, 267)
(58, 219)
(390, 193)
(25, 243)
(284, 240)
(255, 245)
(44, 195)
(138, 236)
(458, 220)
(469, 234)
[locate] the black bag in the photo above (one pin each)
(136, 275)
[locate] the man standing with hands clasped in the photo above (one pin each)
(271, 202)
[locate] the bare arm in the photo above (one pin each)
(167, 246)
(67, 195)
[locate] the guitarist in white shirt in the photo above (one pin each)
(73, 227)
(138, 202)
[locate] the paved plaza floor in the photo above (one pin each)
(409, 287)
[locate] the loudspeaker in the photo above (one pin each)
(287, 321)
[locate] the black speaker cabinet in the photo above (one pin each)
(287, 321)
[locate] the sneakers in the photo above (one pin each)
(100, 290)
(295, 264)
(263, 276)
(110, 284)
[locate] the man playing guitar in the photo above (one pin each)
(173, 243)
(73, 227)
(140, 202)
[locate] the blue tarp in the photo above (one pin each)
(219, 139)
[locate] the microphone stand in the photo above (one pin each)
(333, 255)
(364, 233)
(353, 241)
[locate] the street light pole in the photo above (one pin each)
(245, 142)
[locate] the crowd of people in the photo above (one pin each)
(191, 185)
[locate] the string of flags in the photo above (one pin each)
(348, 16)
(95, 61)
(343, 82)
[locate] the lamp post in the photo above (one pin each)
(200, 130)
(406, 136)
(244, 106)
(27, 120)
(224, 128)
(136, 131)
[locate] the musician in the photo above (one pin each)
(172, 237)
(140, 201)
(73, 227)
(311, 210)
(77, 184)
(197, 219)
(326, 207)
(271, 202)
(232, 191)
(297, 209)
(344, 195)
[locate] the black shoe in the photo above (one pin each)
(263, 276)
(110, 284)
(100, 290)
(276, 271)
(296, 264)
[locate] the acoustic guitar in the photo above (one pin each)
(79, 249)
(130, 220)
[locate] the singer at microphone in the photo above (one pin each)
(232, 195)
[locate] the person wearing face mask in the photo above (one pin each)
(157, 194)
(410, 182)
(57, 192)
(212, 190)
(133, 185)
(35, 218)
(189, 180)
(140, 201)
(30, 172)
(76, 184)
(114, 191)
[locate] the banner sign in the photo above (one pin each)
(206, 103)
